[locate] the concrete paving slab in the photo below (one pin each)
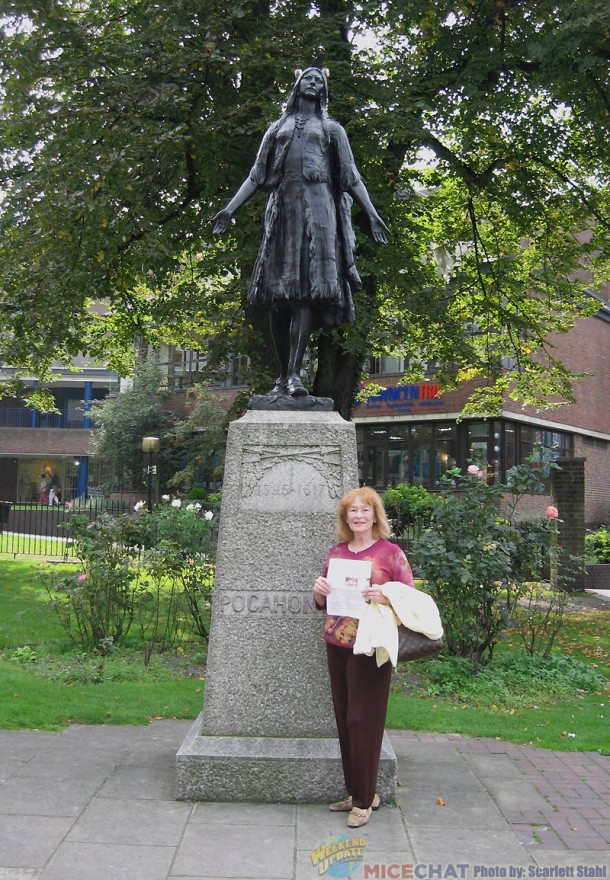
(19, 873)
(388, 864)
(315, 823)
(469, 846)
(30, 796)
(141, 783)
(385, 830)
(107, 736)
(160, 748)
(22, 745)
(8, 769)
(122, 822)
(30, 841)
(68, 764)
(261, 852)
(496, 766)
(116, 786)
(434, 754)
(601, 594)
(514, 794)
(243, 814)
(562, 858)
(437, 780)
(91, 861)
(455, 811)
(311, 866)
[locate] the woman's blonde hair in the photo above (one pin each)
(381, 526)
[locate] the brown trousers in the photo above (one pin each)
(360, 691)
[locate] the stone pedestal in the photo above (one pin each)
(267, 732)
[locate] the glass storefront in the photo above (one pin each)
(422, 453)
(32, 472)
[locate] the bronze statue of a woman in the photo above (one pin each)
(305, 268)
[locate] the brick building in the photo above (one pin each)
(411, 433)
(33, 443)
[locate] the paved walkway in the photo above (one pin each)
(97, 803)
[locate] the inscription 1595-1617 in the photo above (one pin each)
(291, 478)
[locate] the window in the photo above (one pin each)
(233, 373)
(543, 446)
(445, 452)
(415, 453)
(387, 365)
(421, 443)
(239, 366)
(398, 454)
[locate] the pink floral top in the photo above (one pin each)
(389, 563)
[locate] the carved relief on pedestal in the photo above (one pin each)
(291, 478)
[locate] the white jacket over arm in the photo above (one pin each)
(378, 630)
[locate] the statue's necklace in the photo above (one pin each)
(300, 122)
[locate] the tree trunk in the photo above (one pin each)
(340, 360)
(338, 373)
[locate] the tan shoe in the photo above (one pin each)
(357, 817)
(345, 806)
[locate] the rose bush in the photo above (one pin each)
(152, 569)
(477, 559)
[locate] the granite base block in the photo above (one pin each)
(288, 770)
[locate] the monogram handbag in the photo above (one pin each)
(414, 645)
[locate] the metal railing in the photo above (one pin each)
(41, 530)
(16, 417)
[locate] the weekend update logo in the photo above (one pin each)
(339, 856)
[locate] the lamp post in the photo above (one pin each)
(150, 445)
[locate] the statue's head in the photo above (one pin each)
(309, 79)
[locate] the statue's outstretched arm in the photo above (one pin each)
(379, 230)
(224, 217)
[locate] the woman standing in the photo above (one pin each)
(359, 687)
(43, 498)
(305, 269)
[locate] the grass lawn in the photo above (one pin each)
(562, 704)
(46, 683)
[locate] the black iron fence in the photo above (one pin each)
(42, 530)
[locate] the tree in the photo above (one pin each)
(189, 439)
(480, 128)
(199, 439)
(123, 420)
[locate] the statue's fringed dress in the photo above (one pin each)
(307, 248)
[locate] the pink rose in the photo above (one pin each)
(82, 578)
(551, 512)
(474, 469)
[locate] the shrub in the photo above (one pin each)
(197, 493)
(407, 506)
(476, 562)
(513, 681)
(538, 617)
(96, 606)
(597, 545)
(184, 554)
(155, 569)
